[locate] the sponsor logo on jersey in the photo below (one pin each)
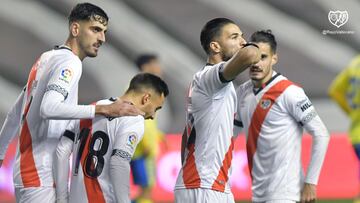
(131, 140)
(304, 105)
(66, 75)
(265, 103)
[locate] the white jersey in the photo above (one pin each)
(53, 78)
(273, 118)
(96, 140)
(210, 112)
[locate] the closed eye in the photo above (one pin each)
(158, 108)
(96, 29)
(234, 36)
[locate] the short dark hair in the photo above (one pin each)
(265, 36)
(148, 80)
(211, 30)
(144, 59)
(88, 11)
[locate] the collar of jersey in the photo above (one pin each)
(63, 47)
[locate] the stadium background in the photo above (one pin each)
(171, 28)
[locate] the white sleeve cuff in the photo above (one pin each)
(92, 111)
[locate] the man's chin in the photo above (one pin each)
(92, 55)
(255, 77)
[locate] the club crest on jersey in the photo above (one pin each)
(265, 103)
(131, 140)
(66, 75)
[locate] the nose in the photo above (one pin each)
(102, 37)
(255, 66)
(242, 41)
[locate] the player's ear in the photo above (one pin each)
(274, 59)
(74, 29)
(146, 98)
(215, 47)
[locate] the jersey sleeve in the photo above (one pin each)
(304, 112)
(299, 105)
(72, 129)
(127, 137)
(11, 125)
(61, 163)
(64, 77)
(238, 123)
(211, 80)
(120, 178)
(63, 80)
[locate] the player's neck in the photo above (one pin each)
(257, 83)
(75, 48)
(130, 98)
(214, 59)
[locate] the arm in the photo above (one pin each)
(127, 136)
(11, 125)
(301, 108)
(61, 166)
(211, 79)
(246, 56)
(120, 175)
(238, 124)
(63, 80)
(321, 138)
(118, 108)
(53, 107)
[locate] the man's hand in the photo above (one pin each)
(117, 109)
(308, 193)
(1, 163)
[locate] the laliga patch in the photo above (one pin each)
(265, 103)
(66, 75)
(131, 140)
